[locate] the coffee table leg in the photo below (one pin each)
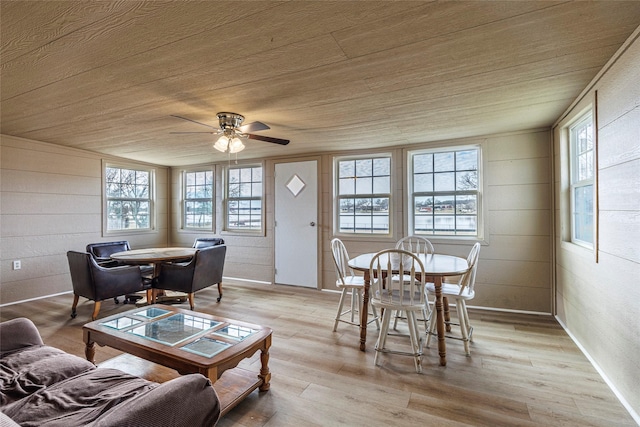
(265, 375)
(90, 351)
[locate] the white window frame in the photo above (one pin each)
(576, 182)
(186, 199)
(338, 197)
(254, 196)
(106, 199)
(478, 192)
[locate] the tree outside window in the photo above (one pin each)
(244, 198)
(128, 199)
(198, 200)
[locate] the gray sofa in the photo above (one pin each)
(44, 386)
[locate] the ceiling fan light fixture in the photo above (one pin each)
(221, 144)
(236, 145)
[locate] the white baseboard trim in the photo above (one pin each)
(35, 299)
(632, 412)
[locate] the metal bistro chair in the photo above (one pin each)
(346, 280)
(462, 291)
(404, 294)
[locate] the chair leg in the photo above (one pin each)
(466, 321)
(382, 337)
(376, 318)
(339, 313)
(463, 327)
(96, 309)
(412, 321)
(219, 291)
(191, 303)
(150, 296)
(354, 301)
(74, 305)
(432, 327)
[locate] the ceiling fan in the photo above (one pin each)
(231, 130)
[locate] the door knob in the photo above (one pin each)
(313, 224)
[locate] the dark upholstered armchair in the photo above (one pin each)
(102, 251)
(205, 242)
(97, 283)
(204, 270)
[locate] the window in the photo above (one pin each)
(582, 173)
(445, 192)
(364, 195)
(198, 200)
(129, 200)
(244, 198)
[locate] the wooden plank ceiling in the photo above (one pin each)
(330, 76)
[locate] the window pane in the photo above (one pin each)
(128, 199)
(422, 163)
(347, 169)
(198, 205)
(382, 167)
(347, 186)
(364, 167)
(364, 178)
(364, 185)
(467, 160)
(423, 182)
(381, 184)
(444, 181)
(443, 162)
(583, 213)
(467, 180)
(456, 175)
(244, 198)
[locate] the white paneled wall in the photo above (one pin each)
(50, 203)
(598, 298)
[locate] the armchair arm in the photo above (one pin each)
(189, 400)
(18, 333)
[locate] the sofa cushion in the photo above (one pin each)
(77, 401)
(24, 372)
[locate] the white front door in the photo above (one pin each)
(296, 217)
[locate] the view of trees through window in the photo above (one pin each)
(364, 194)
(128, 194)
(198, 199)
(244, 198)
(445, 192)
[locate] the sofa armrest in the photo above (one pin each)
(18, 333)
(189, 400)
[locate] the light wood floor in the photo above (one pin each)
(523, 371)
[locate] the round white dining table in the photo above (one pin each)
(436, 266)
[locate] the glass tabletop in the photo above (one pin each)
(174, 329)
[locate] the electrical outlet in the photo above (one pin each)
(17, 265)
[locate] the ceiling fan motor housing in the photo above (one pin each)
(230, 120)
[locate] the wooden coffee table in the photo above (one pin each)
(189, 342)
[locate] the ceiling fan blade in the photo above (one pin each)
(268, 139)
(190, 120)
(177, 133)
(253, 127)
